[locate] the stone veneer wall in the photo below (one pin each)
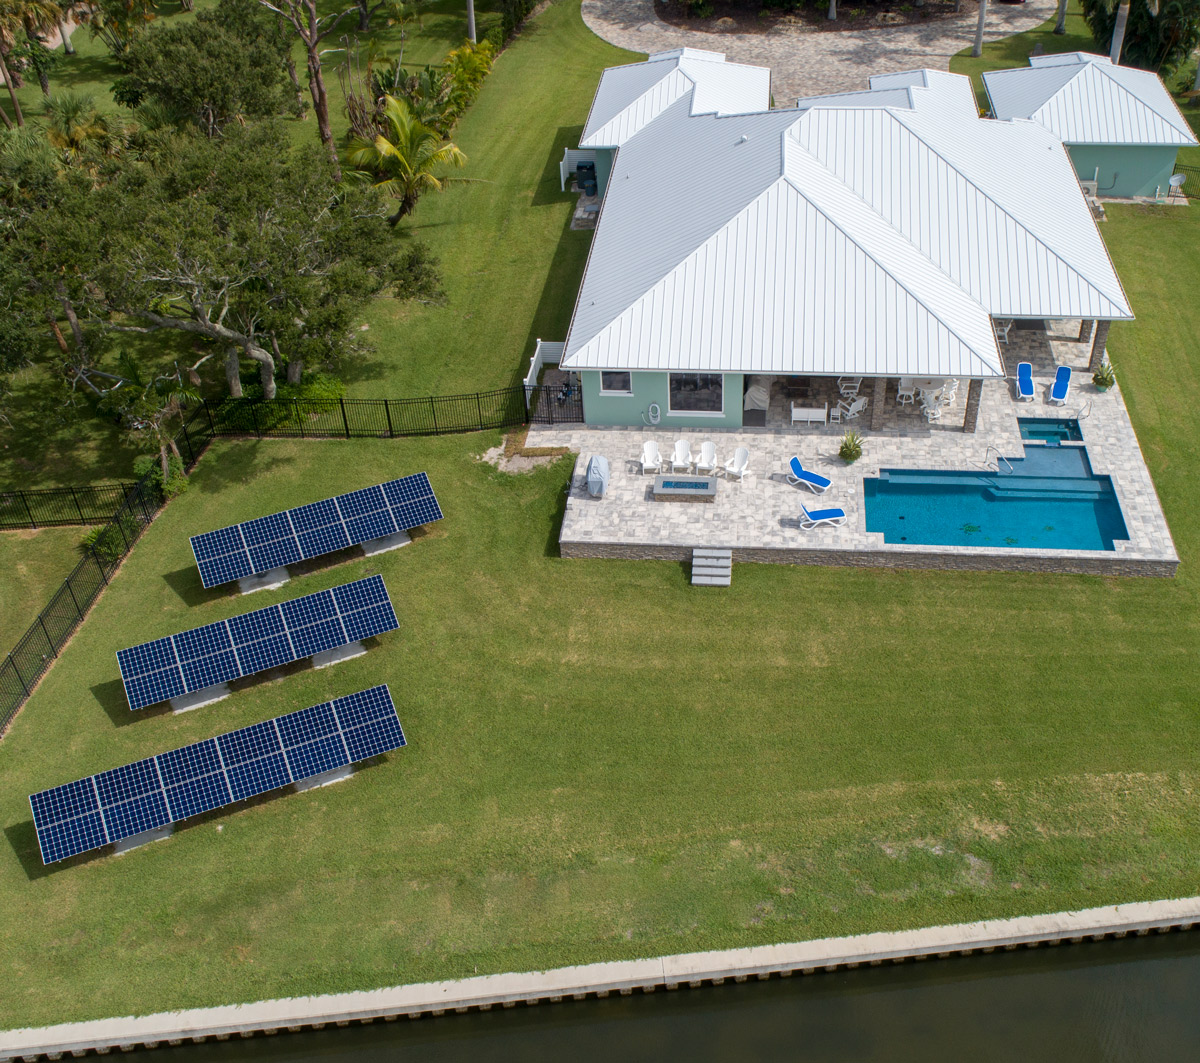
(1107, 565)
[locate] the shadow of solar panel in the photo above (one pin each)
(258, 776)
(266, 653)
(356, 709)
(315, 515)
(267, 529)
(296, 728)
(367, 622)
(308, 610)
(312, 758)
(371, 526)
(203, 641)
(360, 594)
(414, 514)
(324, 540)
(143, 690)
(275, 555)
(209, 671)
(198, 795)
(189, 762)
(57, 841)
(217, 543)
(356, 503)
(64, 802)
(248, 743)
(225, 569)
(257, 625)
(374, 738)
(316, 638)
(129, 780)
(133, 817)
(148, 657)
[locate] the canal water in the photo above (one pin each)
(1098, 1002)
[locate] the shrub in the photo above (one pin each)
(1104, 377)
(313, 388)
(109, 542)
(851, 448)
(150, 465)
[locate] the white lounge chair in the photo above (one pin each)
(847, 411)
(800, 476)
(736, 466)
(707, 462)
(651, 458)
(831, 518)
(906, 393)
(682, 456)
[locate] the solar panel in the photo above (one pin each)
(92, 812)
(253, 642)
(266, 543)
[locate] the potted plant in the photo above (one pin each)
(851, 448)
(1104, 377)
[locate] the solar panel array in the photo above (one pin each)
(229, 649)
(170, 787)
(319, 528)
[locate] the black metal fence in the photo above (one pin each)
(135, 505)
(392, 418)
(1191, 186)
(55, 507)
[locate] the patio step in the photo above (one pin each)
(712, 567)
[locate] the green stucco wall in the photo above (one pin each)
(604, 165)
(1124, 171)
(652, 387)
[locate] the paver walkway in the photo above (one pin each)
(804, 62)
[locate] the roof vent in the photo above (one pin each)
(743, 138)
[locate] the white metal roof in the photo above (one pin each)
(1086, 99)
(868, 239)
(628, 98)
(953, 89)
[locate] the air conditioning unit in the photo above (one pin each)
(1090, 188)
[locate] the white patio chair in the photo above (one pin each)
(707, 462)
(849, 385)
(933, 412)
(736, 466)
(906, 393)
(847, 411)
(651, 458)
(1002, 329)
(682, 456)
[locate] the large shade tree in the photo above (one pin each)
(243, 243)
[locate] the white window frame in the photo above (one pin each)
(617, 391)
(672, 412)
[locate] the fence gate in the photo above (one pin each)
(555, 404)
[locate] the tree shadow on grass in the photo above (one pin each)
(215, 475)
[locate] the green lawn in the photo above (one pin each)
(34, 564)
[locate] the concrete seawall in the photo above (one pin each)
(598, 979)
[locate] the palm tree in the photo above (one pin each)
(34, 17)
(977, 49)
(77, 128)
(403, 156)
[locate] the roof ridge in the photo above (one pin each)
(1000, 207)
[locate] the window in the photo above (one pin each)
(619, 382)
(696, 393)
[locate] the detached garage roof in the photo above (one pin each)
(875, 240)
(629, 98)
(1086, 99)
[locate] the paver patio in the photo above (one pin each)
(759, 518)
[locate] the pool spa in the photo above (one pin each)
(1050, 430)
(1049, 500)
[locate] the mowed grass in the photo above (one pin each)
(34, 563)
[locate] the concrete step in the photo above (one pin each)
(711, 552)
(710, 570)
(712, 567)
(711, 581)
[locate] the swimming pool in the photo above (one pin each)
(1051, 500)
(1050, 430)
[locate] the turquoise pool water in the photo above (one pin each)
(1051, 500)
(1050, 429)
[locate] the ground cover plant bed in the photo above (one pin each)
(733, 17)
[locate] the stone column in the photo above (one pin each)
(1098, 345)
(974, 394)
(877, 403)
(1085, 330)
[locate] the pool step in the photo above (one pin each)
(1003, 486)
(712, 567)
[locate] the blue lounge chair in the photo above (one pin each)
(1062, 386)
(1025, 381)
(834, 518)
(798, 474)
